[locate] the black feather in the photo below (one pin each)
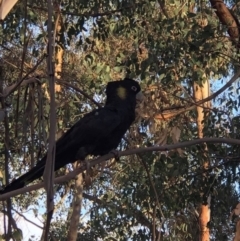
(97, 133)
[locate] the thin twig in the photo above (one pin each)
(65, 83)
(15, 86)
(157, 200)
(200, 102)
(141, 218)
(21, 215)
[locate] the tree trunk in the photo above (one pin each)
(76, 209)
(237, 234)
(58, 51)
(201, 92)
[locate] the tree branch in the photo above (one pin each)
(101, 159)
(28, 220)
(141, 218)
(65, 83)
(48, 175)
(9, 90)
(200, 102)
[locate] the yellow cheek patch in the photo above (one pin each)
(121, 92)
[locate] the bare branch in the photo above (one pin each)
(101, 159)
(28, 220)
(13, 87)
(65, 83)
(172, 113)
(136, 213)
(76, 207)
(48, 175)
(154, 228)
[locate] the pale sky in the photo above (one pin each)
(30, 231)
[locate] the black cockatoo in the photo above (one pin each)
(97, 133)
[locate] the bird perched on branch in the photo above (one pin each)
(97, 133)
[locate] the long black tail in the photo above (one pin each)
(61, 159)
(35, 173)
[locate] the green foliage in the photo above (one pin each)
(168, 46)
